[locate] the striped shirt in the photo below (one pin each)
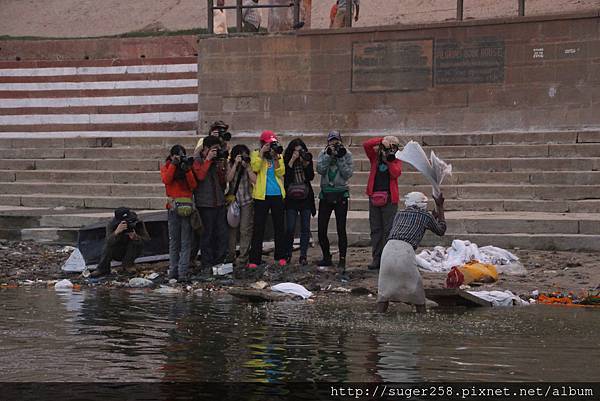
(411, 223)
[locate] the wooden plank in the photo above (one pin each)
(454, 297)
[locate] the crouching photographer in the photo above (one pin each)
(125, 236)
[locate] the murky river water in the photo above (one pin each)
(114, 335)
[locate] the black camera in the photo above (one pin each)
(224, 134)
(185, 162)
(337, 150)
(222, 154)
(305, 155)
(246, 158)
(389, 154)
(275, 148)
(131, 221)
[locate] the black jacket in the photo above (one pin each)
(309, 202)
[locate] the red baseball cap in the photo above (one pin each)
(268, 137)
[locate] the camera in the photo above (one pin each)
(246, 158)
(224, 134)
(131, 221)
(275, 148)
(306, 156)
(222, 154)
(337, 150)
(389, 154)
(185, 162)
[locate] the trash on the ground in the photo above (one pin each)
(140, 282)
(259, 285)
(85, 273)
(173, 281)
(588, 298)
(500, 298)
(440, 259)
(165, 289)
(550, 271)
(434, 169)
(63, 285)
(512, 269)
(471, 273)
(293, 289)
(535, 293)
(341, 289)
(153, 276)
(222, 269)
(75, 263)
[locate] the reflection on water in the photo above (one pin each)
(114, 335)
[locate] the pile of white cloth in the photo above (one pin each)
(500, 298)
(434, 169)
(440, 259)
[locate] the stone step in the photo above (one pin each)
(548, 242)
(359, 177)
(580, 150)
(360, 164)
(83, 201)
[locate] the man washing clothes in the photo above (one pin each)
(399, 277)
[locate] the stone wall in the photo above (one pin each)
(512, 74)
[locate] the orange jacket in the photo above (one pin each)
(177, 188)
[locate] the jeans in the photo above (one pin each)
(215, 235)
(125, 251)
(180, 244)
(340, 208)
(290, 217)
(261, 211)
(380, 220)
(245, 230)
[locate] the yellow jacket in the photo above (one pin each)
(260, 167)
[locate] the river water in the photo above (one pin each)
(118, 335)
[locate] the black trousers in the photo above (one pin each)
(213, 243)
(275, 205)
(340, 208)
(125, 251)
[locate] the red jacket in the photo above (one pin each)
(177, 188)
(395, 169)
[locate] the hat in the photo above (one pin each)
(122, 213)
(417, 199)
(268, 137)
(392, 140)
(334, 135)
(218, 124)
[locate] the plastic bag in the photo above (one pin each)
(293, 289)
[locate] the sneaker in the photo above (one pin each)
(303, 261)
(251, 266)
(282, 262)
(99, 273)
(324, 263)
(342, 263)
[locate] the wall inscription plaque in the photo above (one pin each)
(392, 66)
(471, 62)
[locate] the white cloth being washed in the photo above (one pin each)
(434, 168)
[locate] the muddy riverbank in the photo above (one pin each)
(34, 264)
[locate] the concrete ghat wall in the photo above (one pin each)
(515, 74)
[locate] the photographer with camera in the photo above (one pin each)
(382, 190)
(269, 193)
(335, 166)
(210, 169)
(300, 198)
(217, 129)
(179, 183)
(125, 236)
(241, 179)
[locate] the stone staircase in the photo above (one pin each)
(538, 190)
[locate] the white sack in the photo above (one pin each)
(292, 288)
(500, 298)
